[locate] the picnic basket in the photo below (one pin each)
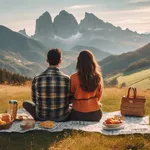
(133, 105)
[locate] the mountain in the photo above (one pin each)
(65, 25)
(98, 53)
(26, 55)
(108, 37)
(23, 32)
(29, 48)
(16, 63)
(65, 32)
(69, 68)
(20, 54)
(90, 21)
(119, 63)
(44, 26)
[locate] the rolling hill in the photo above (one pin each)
(20, 54)
(139, 79)
(12, 41)
(118, 63)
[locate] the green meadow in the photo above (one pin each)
(139, 79)
(71, 140)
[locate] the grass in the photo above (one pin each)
(139, 79)
(7, 93)
(71, 140)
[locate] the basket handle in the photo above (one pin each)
(134, 92)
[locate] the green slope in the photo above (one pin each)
(139, 79)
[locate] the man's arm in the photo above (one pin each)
(33, 91)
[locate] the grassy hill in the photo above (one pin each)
(139, 78)
(118, 63)
(16, 63)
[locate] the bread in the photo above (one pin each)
(47, 124)
(2, 122)
(27, 124)
(6, 117)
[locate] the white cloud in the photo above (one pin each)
(138, 1)
(81, 6)
(136, 19)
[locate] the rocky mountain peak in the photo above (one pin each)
(65, 24)
(23, 32)
(91, 21)
(44, 25)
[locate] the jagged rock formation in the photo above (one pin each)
(65, 25)
(44, 25)
(23, 32)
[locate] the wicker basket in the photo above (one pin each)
(133, 105)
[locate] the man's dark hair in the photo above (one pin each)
(54, 56)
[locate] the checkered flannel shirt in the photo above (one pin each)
(50, 93)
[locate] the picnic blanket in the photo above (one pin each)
(132, 125)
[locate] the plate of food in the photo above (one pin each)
(114, 122)
(47, 124)
(27, 124)
(113, 128)
(5, 121)
(21, 117)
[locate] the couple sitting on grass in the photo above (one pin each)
(58, 98)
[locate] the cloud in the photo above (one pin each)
(138, 1)
(136, 19)
(81, 6)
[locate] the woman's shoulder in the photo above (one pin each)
(74, 75)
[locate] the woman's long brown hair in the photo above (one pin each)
(88, 71)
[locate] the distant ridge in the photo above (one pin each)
(118, 63)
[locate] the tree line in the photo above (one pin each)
(7, 77)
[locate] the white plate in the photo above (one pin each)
(115, 128)
(113, 125)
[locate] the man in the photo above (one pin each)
(50, 92)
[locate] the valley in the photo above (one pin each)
(115, 49)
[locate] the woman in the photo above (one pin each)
(86, 87)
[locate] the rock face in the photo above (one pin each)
(23, 32)
(90, 21)
(65, 25)
(44, 25)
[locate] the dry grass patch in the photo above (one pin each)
(71, 140)
(18, 93)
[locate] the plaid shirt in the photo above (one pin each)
(50, 93)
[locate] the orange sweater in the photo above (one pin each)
(84, 101)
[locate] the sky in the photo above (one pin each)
(132, 14)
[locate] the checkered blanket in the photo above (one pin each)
(132, 125)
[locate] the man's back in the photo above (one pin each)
(50, 93)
